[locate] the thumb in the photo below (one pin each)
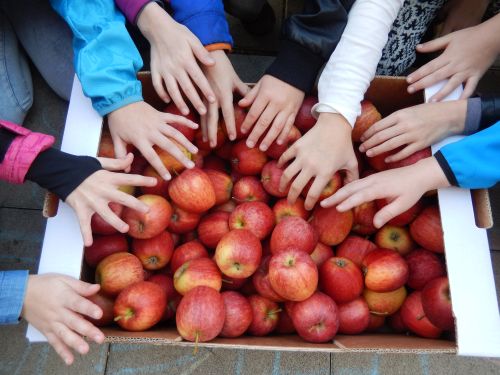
(249, 97)
(351, 173)
(117, 164)
(434, 45)
(202, 54)
(120, 149)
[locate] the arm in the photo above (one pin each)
(12, 290)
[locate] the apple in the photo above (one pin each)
(282, 209)
(354, 316)
(304, 119)
(384, 303)
(427, 231)
(106, 146)
(226, 207)
(285, 324)
(394, 238)
(223, 186)
(249, 189)
(321, 254)
(140, 306)
(224, 152)
(239, 118)
(183, 221)
(378, 162)
(106, 304)
(413, 316)
(189, 133)
(293, 275)
(316, 319)
(205, 145)
(196, 272)
(411, 159)
(151, 223)
(331, 187)
(238, 253)
(257, 217)
(188, 251)
(154, 253)
(230, 283)
(138, 164)
(215, 163)
(355, 248)
(369, 116)
(101, 226)
(363, 218)
(212, 228)
(117, 271)
(385, 270)
(200, 315)
(104, 246)
(247, 287)
(261, 281)
(332, 226)
(192, 191)
(293, 232)
(396, 322)
(376, 322)
(275, 150)
(173, 298)
(189, 236)
(198, 160)
(270, 178)
(170, 162)
(239, 314)
(161, 187)
(247, 161)
(265, 314)
(341, 279)
(404, 218)
(423, 266)
(436, 302)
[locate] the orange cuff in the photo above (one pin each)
(218, 46)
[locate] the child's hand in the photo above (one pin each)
(321, 152)
(460, 14)
(224, 81)
(96, 191)
(54, 304)
(416, 127)
(273, 102)
(467, 55)
(143, 126)
(402, 187)
(174, 54)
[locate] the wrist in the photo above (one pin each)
(429, 172)
(459, 115)
(151, 19)
(336, 120)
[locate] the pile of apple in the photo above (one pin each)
(223, 253)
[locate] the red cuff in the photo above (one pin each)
(22, 152)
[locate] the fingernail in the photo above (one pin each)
(411, 90)
(369, 153)
(361, 148)
(279, 142)
(195, 150)
(98, 338)
(263, 147)
(190, 164)
(204, 138)
(202, 110)
(166, 177)
(409, 79)
(232, 137)
(250, 144)
(211, 99)
(124, 228)
(67, 361)
(433, 100)
(185, 110)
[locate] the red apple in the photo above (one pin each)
(138, 164)
(230, 283)
(198, 160)
(239, 314)
(385, 270)
(275, 150)
(170, 162)
(369, 116)
(200, 315)
(197, 272)
(247, 161)
(332, 226)
(101, 226)
(154, 253)
(106, 304)
(257, 217)
(261, 281)
(285, 324)
(384, 303)
(161, 187)
(173, 298)
(293, 233)
(140, 306)
(427, 231)
(334, 184)
(270, 178)
(265, 315)
(412, 159)
(283, 209)
(213, 227)
(249, 189)
(192, 191)
(183, 221)
(376, 322)
(413, 316)
(226, 207)
(205, 145)
(106, 146)
(436, 302)
(423, 266)
(239, 117)
(304, 119)
(293, 275)
(117, 271)
(189, 236)
(363, 218)
(321, 254)
(355, 248)
(238, 253)
(316, 319)
(404, 218)
(354, 317)
(341, 279)
(378, 162)
(223, 186)
(396, 322)
(188, 132)
(151, 223)
(104, 246)
(394, 238)
(187, 251)
(215, 163)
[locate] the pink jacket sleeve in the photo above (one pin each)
(22, 152)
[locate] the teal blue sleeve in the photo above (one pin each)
(12, 290)
(106, 59)
(473, 162)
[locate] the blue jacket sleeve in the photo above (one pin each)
(12, 289)
(205, 19)
(473, 162)
(106, 59)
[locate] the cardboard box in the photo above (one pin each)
(468, 257)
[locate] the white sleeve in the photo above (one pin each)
(353, 64)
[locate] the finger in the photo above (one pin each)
(314, 192)
(170, 132)
(152, 157)
(340, 195)
(391, 144)
(213, 124)
(201, 53)
(179, 120)
(84, 218)
(228, 114)
(283, 137)
(434, 45)
(273, 132)
(404, 153)
(167, 145)
(383, 137)
(451, 85)
(288, 155)
(125, 179)
(258, 106)
(111, 218)
(120, 149)
(469, 88)
(81, 287)
(60, 348)
(351, 170)
(83, 327)
(117, 164)
(201, 81)
(431, 79)
(356, 199)
(262, 124)
(240, 87)
(191, 93)
(424, 71)
(128, 200)
(298, 185)
(250, 96)
(175, 94)
(157, 80)
(377, 127)
(71, 339)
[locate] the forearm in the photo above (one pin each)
(12, 291)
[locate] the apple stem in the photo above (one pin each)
(272, 312)
(227, 281)
(196, 340)
(117, 318)
(421, 317)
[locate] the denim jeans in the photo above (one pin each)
(31, 30)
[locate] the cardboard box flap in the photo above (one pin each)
(388, 342)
